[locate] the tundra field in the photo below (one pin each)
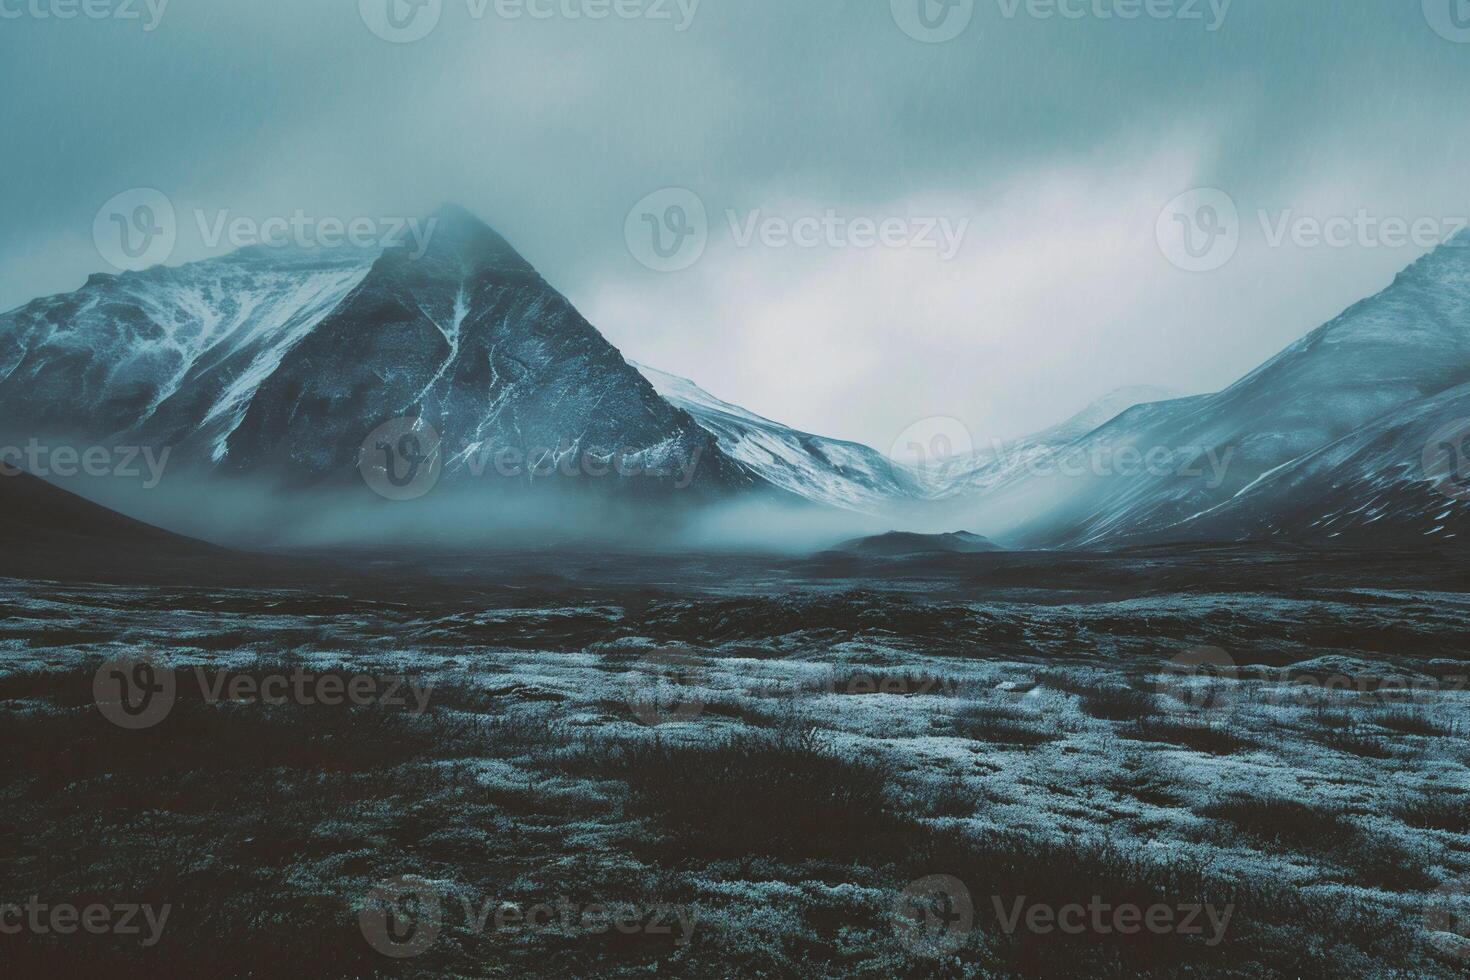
(1144, 764)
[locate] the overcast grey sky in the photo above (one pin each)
(1056, 142)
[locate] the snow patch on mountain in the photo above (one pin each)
(829, 471)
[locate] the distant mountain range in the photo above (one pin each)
(281, 362)
(1327, 441)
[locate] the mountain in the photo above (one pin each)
(285, 363)
(281, 362)
(1310, 434)
(843, 474)
(990, 468)
(1402, 479)
(48, 532)
(902, 543)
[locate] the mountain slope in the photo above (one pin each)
(281, 362)
(843, 474)
(1403, 478)
(1408, 343)
(996, 466)
(44, 528)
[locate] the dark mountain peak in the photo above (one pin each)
(454, 236)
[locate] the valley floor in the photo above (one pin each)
(994, 766)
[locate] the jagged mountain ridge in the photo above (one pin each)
(282, 361)
(1384, 355)
(844, 474)
(995, 466)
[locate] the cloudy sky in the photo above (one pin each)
(898, 223)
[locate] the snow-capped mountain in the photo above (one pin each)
(995, 466)
(283, 361)
(844, 474)
(1309, 436)
(1401, 478)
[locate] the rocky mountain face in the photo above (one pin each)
(1234, 465)
(848, 475)
(286, 363)
(283, 362)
